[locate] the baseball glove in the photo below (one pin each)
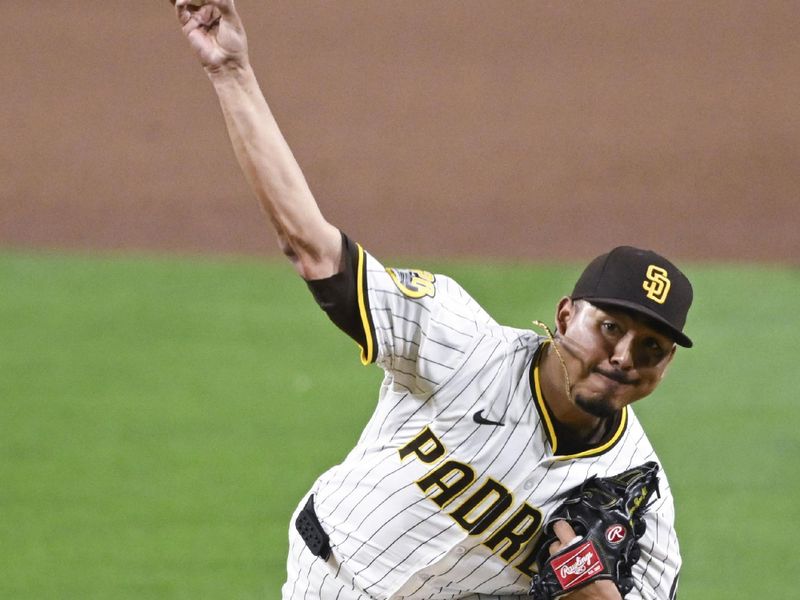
(607, 513)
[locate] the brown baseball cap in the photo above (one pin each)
(641, 281)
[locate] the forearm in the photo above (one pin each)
(313, 245)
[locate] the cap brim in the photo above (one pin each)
(678, 336)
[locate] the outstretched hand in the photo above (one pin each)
(214, 31)
(603, 589)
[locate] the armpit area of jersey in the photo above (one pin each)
(344, 298)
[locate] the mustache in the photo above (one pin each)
(579, 352)
(618, 376)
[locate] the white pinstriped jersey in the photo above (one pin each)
(436, 501)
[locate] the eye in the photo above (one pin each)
(653, 346)
(609, 327)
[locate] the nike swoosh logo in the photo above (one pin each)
(480, 420)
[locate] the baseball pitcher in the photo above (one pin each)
(499, 462)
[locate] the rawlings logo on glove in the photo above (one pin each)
(576, 566)
(607, 513)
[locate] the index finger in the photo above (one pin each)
(566, 534)
(226, 8)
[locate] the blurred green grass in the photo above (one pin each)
(162, 416)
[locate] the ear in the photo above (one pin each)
(669, 361)
(564, 312)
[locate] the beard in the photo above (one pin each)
(598, 406)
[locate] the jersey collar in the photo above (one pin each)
(604, 445)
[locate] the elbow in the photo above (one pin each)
(286, 248)
(289, 251)
(302, 262)
(311, 261)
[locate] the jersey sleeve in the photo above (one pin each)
(416, 325)
(656, 572)
(341, 297)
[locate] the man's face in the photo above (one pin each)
(614, 357)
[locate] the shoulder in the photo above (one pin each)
(421, 290)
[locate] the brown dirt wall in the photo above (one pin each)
(514, 129)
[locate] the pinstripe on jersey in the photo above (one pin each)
(432, 503)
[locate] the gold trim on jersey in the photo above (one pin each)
(604, 447)
(368, 353)
(544, 413)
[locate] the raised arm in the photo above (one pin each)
(216, 35)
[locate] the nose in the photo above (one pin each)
(622, 357)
